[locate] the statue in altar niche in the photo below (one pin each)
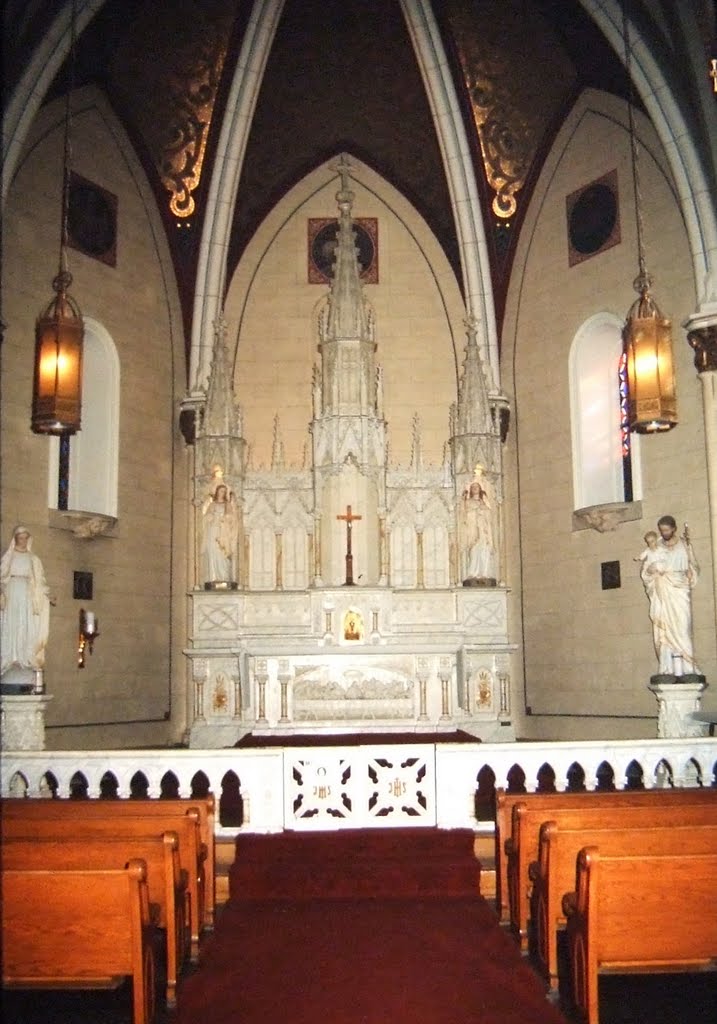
(24, 616)
(669, 571)
(478, 533)
(220, 535)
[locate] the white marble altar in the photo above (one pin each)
(347, 604)
(350, 659)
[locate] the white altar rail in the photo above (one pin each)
(360, 786)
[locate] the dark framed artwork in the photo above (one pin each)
(321, 246)
(92, 220)
(593, 216)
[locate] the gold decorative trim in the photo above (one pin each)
(510, 114)
(193, 98)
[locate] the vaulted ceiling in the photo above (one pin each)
(341, 75)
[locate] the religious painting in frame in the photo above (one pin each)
(322, 243)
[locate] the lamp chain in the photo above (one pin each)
(64, 274)
(642, 282)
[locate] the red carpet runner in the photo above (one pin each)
(360, 928)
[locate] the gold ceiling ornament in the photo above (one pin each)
(193, 94)
(165, 72)
(510, 115)
(504, 137)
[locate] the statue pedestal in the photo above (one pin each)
(677, 701)
(23, 721)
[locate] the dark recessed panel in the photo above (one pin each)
(593, 218)
(92, 220)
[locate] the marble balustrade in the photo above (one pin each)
(361, 786)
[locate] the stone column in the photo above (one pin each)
(702, 336)
(262, 677)
(279, 560)
(421, 577)
(284, 679)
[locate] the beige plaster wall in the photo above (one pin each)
(133, 682)
(588, 652)
(271, 313)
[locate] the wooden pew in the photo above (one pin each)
(547, 805)
(639, 914)
(87, 929)
(204, 806)
(522, 847)
(553, 874)
(166, 882)
(69, 818)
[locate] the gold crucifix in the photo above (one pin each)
(349, 518)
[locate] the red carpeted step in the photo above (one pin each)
(420, 961)
(382, 863)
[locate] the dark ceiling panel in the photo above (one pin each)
(342, 75)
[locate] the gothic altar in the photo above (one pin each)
(349, 594)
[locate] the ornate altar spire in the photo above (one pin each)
(348, 314)
(473, 413)
(222, 414)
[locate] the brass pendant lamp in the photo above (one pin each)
(59, 330)
(647, 334)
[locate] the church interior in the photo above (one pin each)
(490, 166)
(363, 434)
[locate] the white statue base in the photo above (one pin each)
(23, 721)
(677, 703)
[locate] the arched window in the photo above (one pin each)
(83, 468)
(606, 464)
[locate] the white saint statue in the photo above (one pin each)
(24, 613)
(479, 560)
(220, 533)
(669, 571)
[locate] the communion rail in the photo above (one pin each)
(363, 786)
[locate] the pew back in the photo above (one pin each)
(528, 814)
(166, 882)
(73, 818)
(639, 913)
(504, 803)
(204, 807)
(85, 928)
(553, 874)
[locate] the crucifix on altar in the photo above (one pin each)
(349, 518)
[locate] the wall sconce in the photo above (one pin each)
(647, 334)
(59, 331)
(89, 631)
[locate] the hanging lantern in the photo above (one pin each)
(647, 334)
(647, 340)
(59, 330)
(57, 390)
